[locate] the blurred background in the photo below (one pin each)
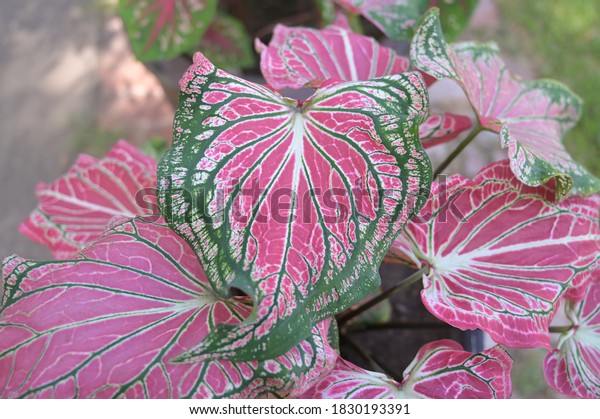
(69, 83)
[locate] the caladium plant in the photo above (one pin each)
(294, 203)
(109, 321)
(277, 213)
(500, 254)
(530, 117)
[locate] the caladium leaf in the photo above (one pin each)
(441, 370)
(395, 18)
(500, 253)
(109, 322)
(531, 117)
(163, 29)
(573, 368)
(294, 203)
(298, 57)
(442, 128)
(227, 43)
(75, 209)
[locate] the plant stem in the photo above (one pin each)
(560, 329)
(354, 22)
(373, 362)
(343, 319)
(474, 132)
(362, 352)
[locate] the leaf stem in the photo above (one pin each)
(354, 22)
(362, 352)
(350, 314)
(374, 363)
(469, 138)
(560, 329)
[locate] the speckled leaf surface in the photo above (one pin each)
(441, 370)
(531, 117)
(75, 209)
(294, 203)
(109, 322)
(500, 253)
(227, 43)
(573, 368)
(395, 18)
(442, 128)
(302, 57)
(163, 29)
(298, 57)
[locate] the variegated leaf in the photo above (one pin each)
(531, 117)
(227, 43)
(75, 209)
(294, 203)
(441, 370)
(573, 368)
(163, 29)
(500, 253)
(109, 322)
(298, 57)
(442, 128)
(395, 18)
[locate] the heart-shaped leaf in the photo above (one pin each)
(573, 368)
(227, 43)
(298, 57)
(109, 322)
(163, 29)
(75, 209)
(294, 203)
(500, 253)
(441, 370)
(531, 117)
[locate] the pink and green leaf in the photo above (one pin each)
(441, 370)
(75, 209)
(227, 43)
(530, 117)
(109, 322)
(297, 57)
(573, 368)
(163, 29)
(303, 57)
(500, 254)
(294, 203)
(395, 18)
(442, 128)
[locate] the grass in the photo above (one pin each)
(562, 40)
